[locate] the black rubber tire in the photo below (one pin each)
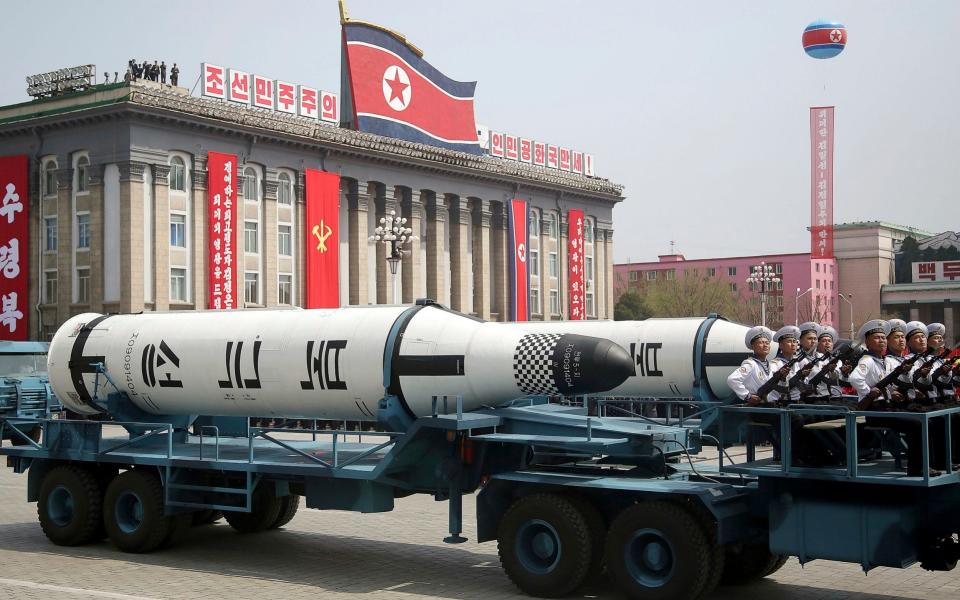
(205, 517)
(288, 510)
(265, 512)
(526, 517)
(154, 527)
(745, 563)
(180, 523)
(82, 525)
(716, 562)
(597, 526)
(688, 551)
(777, 564)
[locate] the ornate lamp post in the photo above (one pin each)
(764, 277)
(393, 232)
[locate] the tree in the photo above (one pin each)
(693, 295)
(631, 307)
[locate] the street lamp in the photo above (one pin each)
(394, 232)
(849, 300)
(764, 277)
(796, 306)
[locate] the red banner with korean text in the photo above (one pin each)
(323, 239)
(821, 182)
(222, 231)
(519, 274)
(14, 244)
(577, 291)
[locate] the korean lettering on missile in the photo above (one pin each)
(242, 365)
(14, 244)
(221, 234)
(645, 357)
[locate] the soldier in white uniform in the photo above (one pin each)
(829, 385)
(755, 370)
(943, 382)
(872, 367)
(787, 339)
(918, 378)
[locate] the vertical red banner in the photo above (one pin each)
(322, 239)
(519, 274)
(14, 244)
(222, 231)
(821, 182)
(577, 290)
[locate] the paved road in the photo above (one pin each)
(345, 555)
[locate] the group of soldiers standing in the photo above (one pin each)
(155, 72)
(900, 367)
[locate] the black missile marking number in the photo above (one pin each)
(150, 361)
(233, 354)
(646, 358)
(318, 365)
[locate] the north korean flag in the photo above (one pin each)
(395, 93)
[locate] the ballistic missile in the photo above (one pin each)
(327, 364)
(670, 358)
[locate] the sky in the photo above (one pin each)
(700, 109)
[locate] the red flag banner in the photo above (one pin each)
(519, 275)
(821, 182)
(577, 292)
(222, 231)
(14, 244)
(323, 240)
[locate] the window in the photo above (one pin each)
(50, 226)
(588, 267)
(733, 287)
(554, 265)
(284, 189)
(588, 232)
(178, 174)
(651, 275)
(178, 231)
(535, 307)
(83, 285)
(554, 302)
(83, 230)
(83, 164)
(635, 275)
(534, 223)
(534, 262)
(818, 284)
(251, 288)
(671, 274)
(285, 290)
(49, 287)
(553, 224)
(831, 284)
(178, 284)
(732, 271)
(591, 311)
(250, 237)
(711, 272)
(251, 185)
(817, 265)
(283, 241)
(50, 179)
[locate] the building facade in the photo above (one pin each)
(118, 208)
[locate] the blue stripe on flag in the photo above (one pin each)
(393, 129)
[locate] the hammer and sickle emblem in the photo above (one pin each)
(322, 237)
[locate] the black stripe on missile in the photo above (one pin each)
(429, 366)
(724, 359)
(80, 364)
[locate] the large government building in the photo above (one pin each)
(118, 209)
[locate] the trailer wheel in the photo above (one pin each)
(657, 551)
(749, 562)
(265, 511)
(715, 572)
(133, 512)
(544, 545)
(70, 506)
(288, 509)
(206, 517)
(598, 536)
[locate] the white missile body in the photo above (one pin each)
(330, 364)
(679, 357)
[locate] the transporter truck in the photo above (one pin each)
(567, 496)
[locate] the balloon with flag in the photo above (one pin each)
(824, 39)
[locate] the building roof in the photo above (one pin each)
(152, 97)
(667, 262)
(883, 225)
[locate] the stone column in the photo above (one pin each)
(949, 323)
(300, 256)
(481, 258)
(412, 273)
(358, 204)
(608, 272)
(499, 253)
(131, 240)
(437, 286)
(93, 202)
(161, 236)
(270, 232)
(65, 241)
(459, 266)
(198, 232)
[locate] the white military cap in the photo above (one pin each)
(870, 327)
(915, 327)
(787, 331)
(935, 328)
(895, 325)
(755, 332)
(810, 326)
(826, 330)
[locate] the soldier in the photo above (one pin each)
(788, 342)
(755, 370)
(918, 379)
(943, 383)
(829, 385)
(174, 75)
(896, 339)
(163, 72)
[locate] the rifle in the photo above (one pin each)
(841, 353)
(893, 377)
(797, 378)
(770, 384)
(946, 366)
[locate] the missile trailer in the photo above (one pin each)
(566, 495)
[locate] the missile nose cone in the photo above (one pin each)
(615, 364)
(588, 365)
